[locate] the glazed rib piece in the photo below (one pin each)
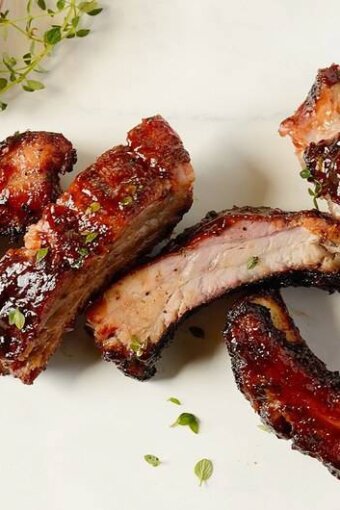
(315, 131)
(30, 166)
(114, 211)
(287, 385)
(323, 163)
(138, 314)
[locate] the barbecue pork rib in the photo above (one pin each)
(135, 318)
(315, 131)
(114, 211)
(287, 385)
(30, 165)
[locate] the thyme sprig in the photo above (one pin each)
(44, 25)
(317, 191)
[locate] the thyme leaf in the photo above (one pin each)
(252, 262)
(204, 470)
(188, 420)
(41, 254)
(16, 318)
(152, 460)
(175, 400)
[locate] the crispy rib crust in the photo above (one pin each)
(315, 131)
(30, 166)
(287, 385)
(114, 211)
(137, 316)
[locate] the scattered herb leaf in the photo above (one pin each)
(78, 263)
(204, 470)
(83, 252)
(90, 236)
(252, 262)
(41, 254)
(136, 345)
(197, 332)
(93, 208)
(175, 400)
(265, 428)
(305, 173)
(16, 318)
(126, 201)
(316, 192)
(152, 460)
(187, 420)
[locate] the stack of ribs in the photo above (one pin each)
(113, 212)
(87, 243)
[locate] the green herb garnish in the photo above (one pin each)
(93, 208)
(16, 318)
(305, 173)
(136, 345)
(40, 28)
(187, 420)
(152, 460)
(204, 470)
(90, 236)
(316, 192)
(175, 400)
(252, 262)
(78, 263)
(126, 201)
(41, 254)
(265, 428)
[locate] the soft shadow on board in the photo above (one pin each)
(315, 314)
(197, 339)
(236, 181)
(199, 336)
(76, 353)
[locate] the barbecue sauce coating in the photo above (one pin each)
(323, 161)
(315, 131)
(30, 166)
(288, 386)
(80, 230)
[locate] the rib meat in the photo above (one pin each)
(114, 211)
(287, 385)
(30, 165)
(315, 132)
(137, 315)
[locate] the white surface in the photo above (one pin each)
(224, 74)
